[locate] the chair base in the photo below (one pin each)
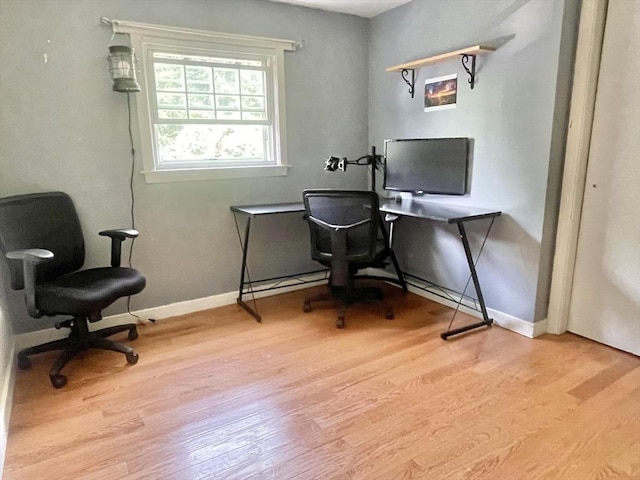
(79, 340)
(345, 297)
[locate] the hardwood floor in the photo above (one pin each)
(216, 395)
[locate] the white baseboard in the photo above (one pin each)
(38, 337)
(528, 329)
(6, 396)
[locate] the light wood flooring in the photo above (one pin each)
(216, 395)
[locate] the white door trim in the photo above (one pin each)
(583, 97)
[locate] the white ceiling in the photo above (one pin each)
(362, 8)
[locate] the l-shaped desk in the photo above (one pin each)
(422, 209)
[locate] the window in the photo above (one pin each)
(212, 104)
(210, 111)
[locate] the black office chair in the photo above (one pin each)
(347, 234)
(40, 236)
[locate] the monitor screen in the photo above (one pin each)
(426, 165)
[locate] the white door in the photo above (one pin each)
(605, 301)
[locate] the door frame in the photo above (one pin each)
(593, 15)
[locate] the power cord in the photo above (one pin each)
(133, 160)
(133, 200)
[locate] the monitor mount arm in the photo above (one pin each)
(376, 161)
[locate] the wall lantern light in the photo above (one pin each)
(122, 67)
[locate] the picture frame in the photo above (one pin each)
(441, 93)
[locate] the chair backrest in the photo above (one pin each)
(343, 226)
(41, 220)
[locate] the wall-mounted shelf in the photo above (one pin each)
(467, 54)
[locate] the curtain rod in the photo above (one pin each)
(113, 24)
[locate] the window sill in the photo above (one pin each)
(164, 176)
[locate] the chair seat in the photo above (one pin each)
(86, 292)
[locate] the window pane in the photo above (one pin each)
(230, 115)
(228, 102)
(202, 114)
(253, 103)
(200, 101)
(199, 87)
(172, 114)
(254, 115)
(169, 85)
(205, 143)
(171, 100)
(252, 82)
(226, 80)
(199, 79)
(169, 75)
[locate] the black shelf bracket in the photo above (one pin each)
(472, 72)
(412, 83)
(409, 74)
(468, 56)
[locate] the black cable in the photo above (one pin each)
(133, 160)
(133, 200)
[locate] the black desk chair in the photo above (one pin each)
(40, 236)
(347, 234)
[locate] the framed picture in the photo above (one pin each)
(440, 93)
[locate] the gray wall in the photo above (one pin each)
(516, 116)
(62, 128)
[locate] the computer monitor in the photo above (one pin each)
(426, 165)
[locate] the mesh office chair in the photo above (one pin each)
(344, 227)
(40, 236)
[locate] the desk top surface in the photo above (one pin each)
(440, 212)
(268, 209)
(410, 208)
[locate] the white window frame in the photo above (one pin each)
(147, 38)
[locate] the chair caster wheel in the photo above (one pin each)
(307, 307)
(132, 358)
(24, 363)
(133, 334)
(389, 315)
(58, 381)
(340, 322)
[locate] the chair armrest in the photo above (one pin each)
(30, 258)
(120, 233)
(35, 255)
(117, 237)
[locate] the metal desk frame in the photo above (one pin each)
(450, 214)
(251, 212)
(422, 209)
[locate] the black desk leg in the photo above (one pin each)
(245, 249)
(388, 238)
(401, 281)
(476, 283)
